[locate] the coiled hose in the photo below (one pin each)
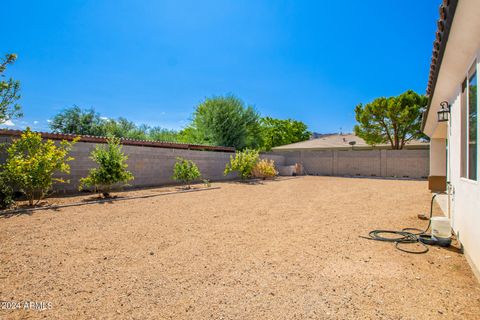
(405, 236)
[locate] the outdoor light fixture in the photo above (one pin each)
(444, 112)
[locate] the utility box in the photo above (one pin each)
(292, 170)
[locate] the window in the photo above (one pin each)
(472, 123)
(463, 133)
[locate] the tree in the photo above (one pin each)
(277, 132)
(9, 92)
(112, 168)
(74, 120)
(123, 128)
(161, 134)
(32, 162)
(225, 121)
(394, 120)
(185, 171)
(243, 163)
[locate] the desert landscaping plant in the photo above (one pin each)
(243, 163)
(32, 162)
(207, 183)
(264, 169)
(6, 192)
(185, 171)
(112, 168)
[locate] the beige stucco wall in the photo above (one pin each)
(438, 156)
(464, 193)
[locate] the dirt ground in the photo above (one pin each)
(278, 250)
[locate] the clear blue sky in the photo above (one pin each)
(153, 61)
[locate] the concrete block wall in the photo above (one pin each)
(359, 163)
(377, 163)
(153, 166)
(150, 166)
(278, 159)
(414, 163)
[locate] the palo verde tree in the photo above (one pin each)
(9, 92)
(394, 120)
(112, 168)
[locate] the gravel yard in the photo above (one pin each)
(275, 250)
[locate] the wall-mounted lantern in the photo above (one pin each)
(352, 143)
(444, 113)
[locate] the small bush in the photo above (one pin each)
(207, 183)
(185, 171)
(243, 163)
(6, 192)
(264, 169)
(32, 162)
(112, 168)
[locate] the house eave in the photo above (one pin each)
(444, 23)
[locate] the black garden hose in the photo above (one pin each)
(405, 236)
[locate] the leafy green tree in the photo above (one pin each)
(74, 120)
(9, 92)
(191, 135)
(112, 168)
(161, 134)
(278, 132)
(243, 163)
(185, 171)
(394, 120)
(32, 162)
(225, 121)
(123, 128)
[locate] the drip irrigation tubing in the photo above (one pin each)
(405, 236)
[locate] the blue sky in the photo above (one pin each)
(154, 61)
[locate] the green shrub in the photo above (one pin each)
(6, 192)
(31, 164)
(185, 171)
(207, 183)
(264, 169)
(111, 168)
(243, 163)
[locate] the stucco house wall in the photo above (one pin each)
(455, 55)
(464, 194)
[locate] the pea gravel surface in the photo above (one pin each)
(287, 249)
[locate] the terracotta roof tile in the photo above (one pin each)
(446, 13)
